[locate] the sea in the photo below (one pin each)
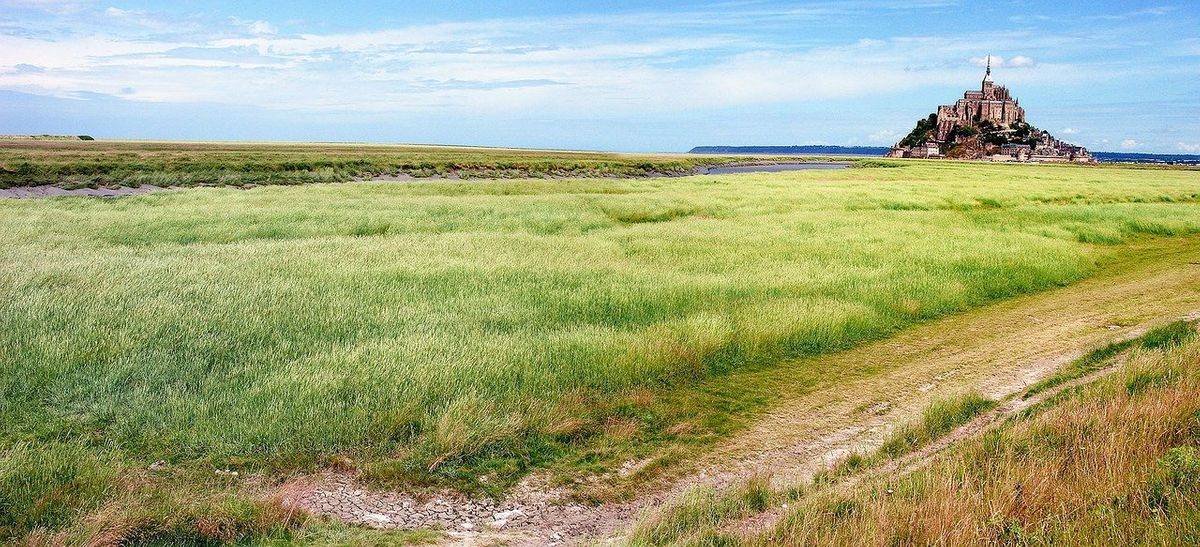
(1105, 157)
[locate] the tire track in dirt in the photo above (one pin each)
(1009, 407)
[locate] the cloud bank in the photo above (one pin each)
(752, 56)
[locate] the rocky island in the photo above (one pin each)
(988, 124)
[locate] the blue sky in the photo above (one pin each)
(612, 75)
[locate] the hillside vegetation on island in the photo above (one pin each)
(973, 141)
(172, 355)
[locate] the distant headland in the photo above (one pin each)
(46, 138)
(1141, 157)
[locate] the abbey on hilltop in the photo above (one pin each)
(985, 124)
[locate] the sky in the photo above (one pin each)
(603, 75)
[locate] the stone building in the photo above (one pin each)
(927, 150)
(1013, 152)
(992, 103)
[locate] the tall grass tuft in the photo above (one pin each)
(703, 509)
(937, 420)
(940, 418)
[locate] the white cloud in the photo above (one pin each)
(1152, 11)
(138, 18)
(1069, 131)
(886, 136)
(257, 28)
(261, 27)
(1188, 47)
(78, 53)
(570, 64)
(1017, 61)
(49, 6)
(1190, 148)
(1130, 143)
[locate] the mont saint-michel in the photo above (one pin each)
(986, 124)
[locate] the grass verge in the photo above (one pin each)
(1158, 337)
(704, 508)
(938, 419)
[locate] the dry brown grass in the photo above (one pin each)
(1112, 464)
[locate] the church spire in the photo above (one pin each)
(986, 86)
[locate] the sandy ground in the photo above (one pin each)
(997, 350)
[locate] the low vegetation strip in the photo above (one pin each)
(700, 513)
(464, 333)
(83, 164)
(704, 509)
(940, 418)
(1092, 361)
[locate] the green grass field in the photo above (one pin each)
(433, 331)
(75, 164)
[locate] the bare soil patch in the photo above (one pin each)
(21, 192)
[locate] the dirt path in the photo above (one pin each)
(997, 350)
(1012, 405)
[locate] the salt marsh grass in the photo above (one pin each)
(70, 163)
(447, 330)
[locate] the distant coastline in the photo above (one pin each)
(1105, 157)
(1138, 157)
(793, 150)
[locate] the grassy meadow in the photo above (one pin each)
(464, 332)
(78, 164)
